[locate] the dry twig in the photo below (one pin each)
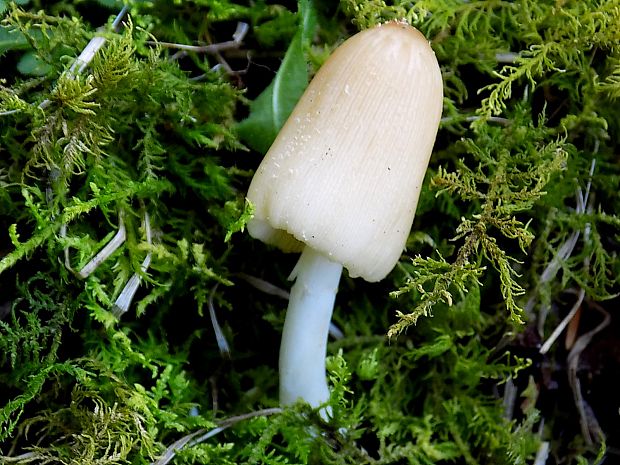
(202, 435)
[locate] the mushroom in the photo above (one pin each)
(340, 183)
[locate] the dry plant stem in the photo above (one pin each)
(80, 63)
(510, 397)
(572, 330)
(22, 458)
(202, 435)
(240, 33)
(89, 52)
(95, 45)
(304, 337)
(559, 328)
(271, 289)
(542, 454)
(335, 332)
(564, 251)
(589, 424)
(63, 234)
(87, 55)
(508, 57)
(264, 286)
(211, 48)
(214, 395)
(129, 291)
(471, 119)
(238, 36)
(102, 255)
(222, 343)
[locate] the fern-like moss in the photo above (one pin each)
(139, 155)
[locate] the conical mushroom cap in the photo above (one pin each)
(344, 174)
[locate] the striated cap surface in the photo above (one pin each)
(344, 174)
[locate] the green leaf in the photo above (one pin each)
(30, 65)
(11, 39)
(272, 107)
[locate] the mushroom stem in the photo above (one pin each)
(304, 337)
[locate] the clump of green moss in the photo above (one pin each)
(156, 145)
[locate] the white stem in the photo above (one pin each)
(304, 337)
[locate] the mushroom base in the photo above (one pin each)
(304, 337)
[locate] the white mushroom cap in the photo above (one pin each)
(345, 172)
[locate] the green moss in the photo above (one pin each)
(157, 144)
